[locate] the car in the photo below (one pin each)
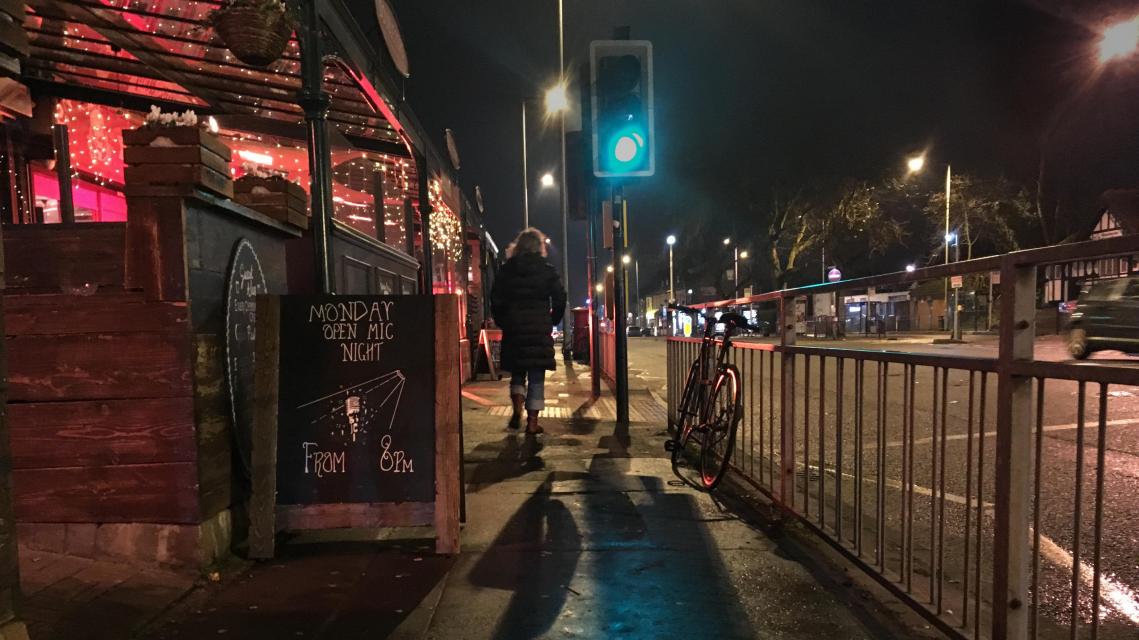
(634, 331)
(1106, 317)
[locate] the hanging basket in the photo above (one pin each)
(254, 36)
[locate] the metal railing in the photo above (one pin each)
(963, 482)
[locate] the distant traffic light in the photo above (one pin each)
(621, 75)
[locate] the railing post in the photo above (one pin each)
(787, 404)
(1012, 540)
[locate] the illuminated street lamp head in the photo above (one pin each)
(910, 268)
(609, 268)
(599, 288)
(915, 163)
(547, 180)
(951, 238)
(727, 241)
(671, 240)
(690, 292)
(743, 255)
(556, 99)
(1119, 40)
(625, 259)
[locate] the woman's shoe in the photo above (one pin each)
(516, 418)
(532, 425)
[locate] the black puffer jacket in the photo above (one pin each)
(528, 299)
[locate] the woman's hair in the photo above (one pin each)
(530, 240)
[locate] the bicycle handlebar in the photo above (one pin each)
(734, 318)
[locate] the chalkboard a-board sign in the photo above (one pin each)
(357, 415)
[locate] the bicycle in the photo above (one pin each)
(711, 405)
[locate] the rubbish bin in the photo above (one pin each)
(580, 334)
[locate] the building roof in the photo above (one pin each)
(1123, 205)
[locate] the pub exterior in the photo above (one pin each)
(133, 246)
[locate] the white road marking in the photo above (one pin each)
(1115, 594)
(1090, 424)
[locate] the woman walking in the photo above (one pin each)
(527, 301)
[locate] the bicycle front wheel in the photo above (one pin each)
(721, 418)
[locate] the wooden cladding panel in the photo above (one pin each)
(160, 493)
(98, 366)
(104, 432)
(104, 313)
(54, 258)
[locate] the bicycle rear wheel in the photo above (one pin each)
(721, 417)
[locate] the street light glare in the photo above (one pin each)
(599, 287)
(609, 268)
(626, 259)
(915, 163)
(547, 180)
(556, 99)
(910, 268)
(1119, 40)
(950, 237)
(727, 241)
(671, 240)
(743, 255)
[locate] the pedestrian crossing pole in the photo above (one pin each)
(621, 345)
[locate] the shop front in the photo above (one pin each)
(136, 234)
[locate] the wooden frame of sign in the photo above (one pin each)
(271, 508)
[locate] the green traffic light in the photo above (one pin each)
(627, 148)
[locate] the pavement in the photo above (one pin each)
(70, 597)
(580, 533)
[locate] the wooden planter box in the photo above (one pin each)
(166, 156)
(275, 197)
(13, 38)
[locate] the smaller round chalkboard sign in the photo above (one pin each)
(244, 283)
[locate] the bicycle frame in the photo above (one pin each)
(706, 373)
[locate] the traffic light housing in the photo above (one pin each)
(621, 108)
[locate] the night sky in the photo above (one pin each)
(752, 95)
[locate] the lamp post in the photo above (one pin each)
(562, 107)
(916, 164)
(525, 175)
(670, 241)
(952, 237)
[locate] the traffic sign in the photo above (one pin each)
(957, 282)
(834, 275)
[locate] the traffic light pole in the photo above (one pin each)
(621, 350)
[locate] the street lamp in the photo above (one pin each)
(916, 164)
(1120, 40)
(956, 335)
(547, 180)
(557, 99)
(736, 255)
(910, 268)
(671, 240)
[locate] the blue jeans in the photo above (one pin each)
(535, 392)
